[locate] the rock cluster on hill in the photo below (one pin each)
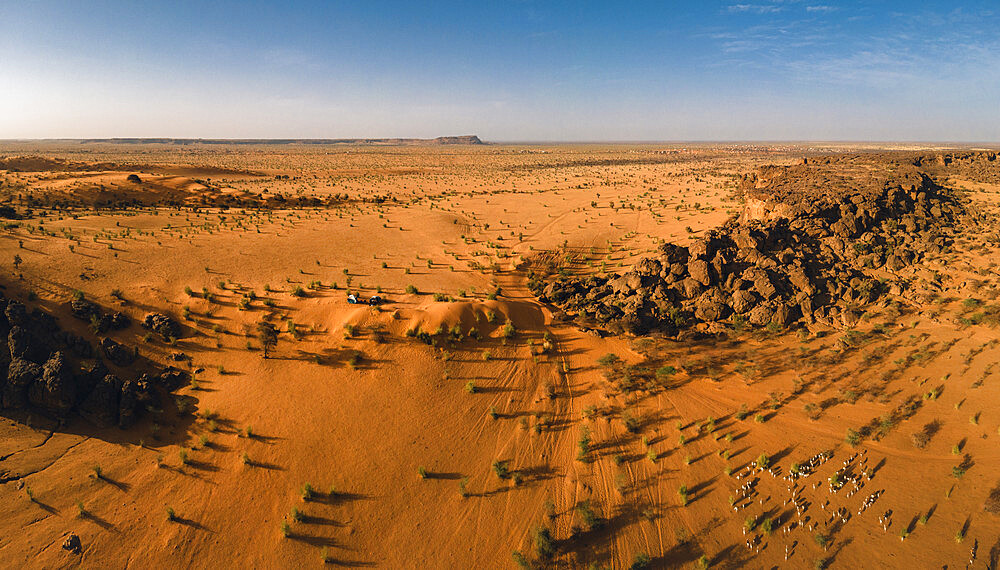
(40, 368)
(805, 248)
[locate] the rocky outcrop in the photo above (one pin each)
(802, 250)
(99, 321)
(162, 325)
(40, 368)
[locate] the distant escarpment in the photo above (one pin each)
(460, 139)
(47, 370)
(815, 243)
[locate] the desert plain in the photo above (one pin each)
(582, 356)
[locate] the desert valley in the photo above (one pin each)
(449, 354)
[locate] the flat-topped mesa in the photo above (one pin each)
(461, 139)
(811, 245)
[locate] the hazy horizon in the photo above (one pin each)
(335, 140)
(780, 71)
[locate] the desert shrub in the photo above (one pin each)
(411, 289)
(508, 330)
(609, 359)
(588, 515)
(631, 423)
(742, 413)
(853, 438)
(762, 461)
(520, 560)
(502, 469)
(584, 442)
(544, 545)
(640, 562)
(665, 372)
(307, 493)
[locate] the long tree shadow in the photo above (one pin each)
(120, 485)
(93, 518)
(189, 522)
(324, 521)
(264, 465)
(338, 497)
(313, 540)
(334, 561)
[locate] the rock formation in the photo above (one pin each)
(42, 367)
(805, 248)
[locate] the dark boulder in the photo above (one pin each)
(72, 543)
(118, 354)
(136, 395)
(84, 309)
(120, 320)
(743, 301)
(18, 342)
(89, 377)
(761, 315)
(711, 306)
(20, 376)
(700, 271)
(55, 390)
(78, 346)
(162, 325)
(674, 254)
(16, 313)
(102, 406)
(172, 379)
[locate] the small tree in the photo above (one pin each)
(544, 545)
(763, 461)
(268, 336)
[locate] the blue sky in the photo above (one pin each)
(508, 71)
